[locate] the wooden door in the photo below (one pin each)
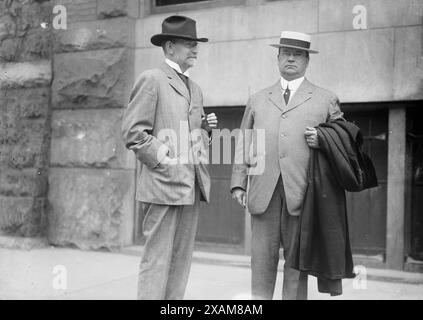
(415, 153)
(367, 209)
(222, 221)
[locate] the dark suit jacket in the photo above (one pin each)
(323, 248)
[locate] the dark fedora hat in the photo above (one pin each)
(177, 27)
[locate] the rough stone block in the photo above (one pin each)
(111, 8)
(23, 183)
(25, 103)
(81, 10)
(33, 131)
(22, 216)
(24, 148)
(89, 138)
(25, 74)
(91, 209)
(23, 117)
(28, 156)
(4, 155)
(25, 132)
(31, 14)
(20, 16)
(36, 45)
(9, 49)
(7, 27)
(34, 103)
(20, 243)
(94, 79)
(93, 35)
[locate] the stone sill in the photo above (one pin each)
(12, 242)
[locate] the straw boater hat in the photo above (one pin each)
(296, 40)
(177, 27)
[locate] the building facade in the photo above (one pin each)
(370, 56)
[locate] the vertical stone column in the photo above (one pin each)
(92, 175)
(25, 77)
(396, 189)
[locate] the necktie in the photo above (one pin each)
(184, 79)
(286, 94)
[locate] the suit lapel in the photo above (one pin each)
(303, 93)
(176, 82)
(275, 96)
(191, 93)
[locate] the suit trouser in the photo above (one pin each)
(270, 230)
(166, 260)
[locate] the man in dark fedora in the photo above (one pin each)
(287, 111)
(165, 107)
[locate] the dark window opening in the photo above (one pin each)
(367, 209)
(415, 152)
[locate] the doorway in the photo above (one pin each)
(223, 220)
(415, 156)
(367, 209)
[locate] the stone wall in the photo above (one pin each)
(91, 178)
(25, 77)
(64, 172)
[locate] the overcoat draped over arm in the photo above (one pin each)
(322, 248)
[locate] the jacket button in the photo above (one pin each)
(284, 116)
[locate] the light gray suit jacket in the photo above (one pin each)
(160, 116)
(286, 150)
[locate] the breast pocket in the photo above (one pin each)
(314, 118)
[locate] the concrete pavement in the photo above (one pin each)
(62, 273)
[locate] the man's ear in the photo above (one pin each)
(168, 47)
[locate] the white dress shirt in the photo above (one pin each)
(292, 85)
(176, 66)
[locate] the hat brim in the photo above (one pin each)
(278, 45)
(158, 39)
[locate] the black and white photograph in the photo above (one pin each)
(238, 151)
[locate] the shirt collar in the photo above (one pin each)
(176, 66)
(293, 85)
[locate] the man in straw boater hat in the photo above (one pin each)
(287, 111)
(165, 108)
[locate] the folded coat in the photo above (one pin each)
(322, 246)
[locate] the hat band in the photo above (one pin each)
(295, 42)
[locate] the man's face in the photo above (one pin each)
(292, 63)
(184, 53)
